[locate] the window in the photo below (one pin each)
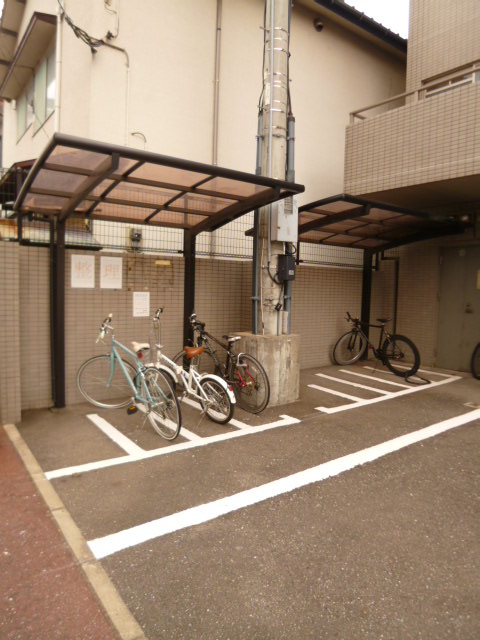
(38, 101)
(25, 108)
(44, 90)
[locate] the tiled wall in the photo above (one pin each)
(86, 308)
(443, 34)
(10, 393)
(321, 296)
(434, 139)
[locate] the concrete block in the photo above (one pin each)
(280, 357)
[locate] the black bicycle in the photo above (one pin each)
(475, 362)
(397, 352)
(241, 370)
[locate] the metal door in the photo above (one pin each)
(459, 307)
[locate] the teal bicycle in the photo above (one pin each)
(111, 382)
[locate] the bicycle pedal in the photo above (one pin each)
(131, 410)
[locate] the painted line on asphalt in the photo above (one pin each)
(335, 393)
(393, 395)
(375, 378)
(115, 542)
(352, 384)
(284, 421)
(114, 434)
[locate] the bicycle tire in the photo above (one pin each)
(219, 408)
(250, 384)
(349, 348)
(475, 362)
(400, 349)
(164, 410)
(92, 379)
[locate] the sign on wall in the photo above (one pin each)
(83, 272)
(110, 273)
(141, 304)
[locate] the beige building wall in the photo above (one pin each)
(428, 139)
(156, 89)
(443, 35)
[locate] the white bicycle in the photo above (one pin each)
(215, 396)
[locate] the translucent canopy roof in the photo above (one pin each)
(348, 221)
(99, 181)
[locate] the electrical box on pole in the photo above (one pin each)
(284, 220)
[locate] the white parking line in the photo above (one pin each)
(395, 394)
(352, 384)
(114, 434)
(284, 421)
(376, 378)
(110, 544)
(335, 393)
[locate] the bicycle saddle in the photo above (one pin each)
(192, 352)
(138, 346)
(231, 339)
(383, 320)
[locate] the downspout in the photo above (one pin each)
(127, 89)
(216, 100)
(58, 68)
(216, 85)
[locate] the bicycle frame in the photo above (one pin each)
(190, 379)
(384, 334)
(116, 358)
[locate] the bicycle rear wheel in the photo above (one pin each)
(218, 406)
(250, 384)
(163, 409)
(93, 382)
(401, 356)
(475, 362)
(349, 348)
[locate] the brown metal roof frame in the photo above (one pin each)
(436, 226)
(106, 177)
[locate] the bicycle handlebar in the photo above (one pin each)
(158, 313)
(105, 327)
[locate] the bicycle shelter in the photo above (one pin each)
(81, 178)
(358, 223)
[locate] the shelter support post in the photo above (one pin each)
(188, 283)
(57, 320)
(366, 293)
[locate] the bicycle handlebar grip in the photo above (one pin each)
(158, 312)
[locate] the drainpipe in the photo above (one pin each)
(127, 89)
(216, 86)
(216, 96)
(58, 68)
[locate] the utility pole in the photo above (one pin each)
(275, 226)
(273, 161)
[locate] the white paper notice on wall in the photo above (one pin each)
(110, 273)
(141, 304)
(83, 272)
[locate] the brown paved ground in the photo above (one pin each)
(44, 594)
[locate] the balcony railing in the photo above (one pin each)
(460, 77)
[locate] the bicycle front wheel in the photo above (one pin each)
(218, 406)
(163, 409)
(349, 348)
(97, 384)
(475, 362)
(250, 384)
(401, 356)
